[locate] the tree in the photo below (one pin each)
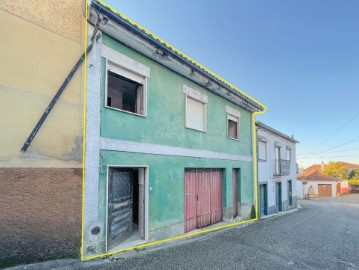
(336, 169)
(354, 178)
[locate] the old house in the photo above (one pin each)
(169, 144)
(277, 170)
(312, 182)
(40, 213)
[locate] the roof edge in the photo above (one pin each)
(264, 126)
(157, 41)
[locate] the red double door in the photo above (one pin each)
(203, 198)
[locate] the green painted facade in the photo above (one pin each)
(165, 125)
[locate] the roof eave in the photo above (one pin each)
(247, 102)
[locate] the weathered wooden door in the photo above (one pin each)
(235, 192)
(120, 196)
(324, 190)
(263, 200)
(203, 197)
(278, 194)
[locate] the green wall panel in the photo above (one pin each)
(165, 121)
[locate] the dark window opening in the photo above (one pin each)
(232, 129)
(124, 94)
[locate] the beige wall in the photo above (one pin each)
(40, 42)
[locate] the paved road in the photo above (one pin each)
(322, 235)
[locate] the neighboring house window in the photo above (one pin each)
(277, 159)
(289, 154)
(125, 90)
(262, 150)
(196, 109)
(232, 126)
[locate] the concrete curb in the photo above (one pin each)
(281, 213)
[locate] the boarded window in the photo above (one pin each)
(125, 90)
(195, 114)
(262, 150)
(232, 127)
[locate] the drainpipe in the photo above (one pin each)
(255, 161)
(60, 91)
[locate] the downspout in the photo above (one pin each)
(60, 91)
(255, 159)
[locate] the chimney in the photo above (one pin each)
(322, 166)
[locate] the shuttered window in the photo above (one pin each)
(195, 114)
(262, 150)
(232, 126)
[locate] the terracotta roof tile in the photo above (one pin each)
(316, 176)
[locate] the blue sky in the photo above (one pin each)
(300, 58)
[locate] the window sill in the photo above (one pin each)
(203, 131)
(119, 110)
(234, 139)
(262, 160)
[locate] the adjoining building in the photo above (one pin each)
(312, 183)
(40, 213)
(169, 144)
(277, 170)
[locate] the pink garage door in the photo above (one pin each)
(203, 197)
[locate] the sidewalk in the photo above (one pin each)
(78, 264)
(281, 213)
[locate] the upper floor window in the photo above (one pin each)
(195, 114)
(126, 91)
(196, 109)
(232, 127)
(262, 150)
(289, 154)
(232, 123)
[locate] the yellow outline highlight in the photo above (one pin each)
(254, 136)
(84, 136)
(179, 52)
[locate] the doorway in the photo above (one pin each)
(290, 196)
(278, 196)
(263, 200)
(126, 212)
(235, 186)
(324, 190)
(203, 198)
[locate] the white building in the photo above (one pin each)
(277, 170)
(313, 183)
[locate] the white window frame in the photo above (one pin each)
(126, 67)
(265, 150)
(110, 66)
(199, 97)
(234, 119)
(234, 115)
(290, 154)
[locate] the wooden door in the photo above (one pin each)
(290, 195)
(203, 198)
(120, 200)
(235, 192)
(324, 190)
(263, 203)
(278, 193)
